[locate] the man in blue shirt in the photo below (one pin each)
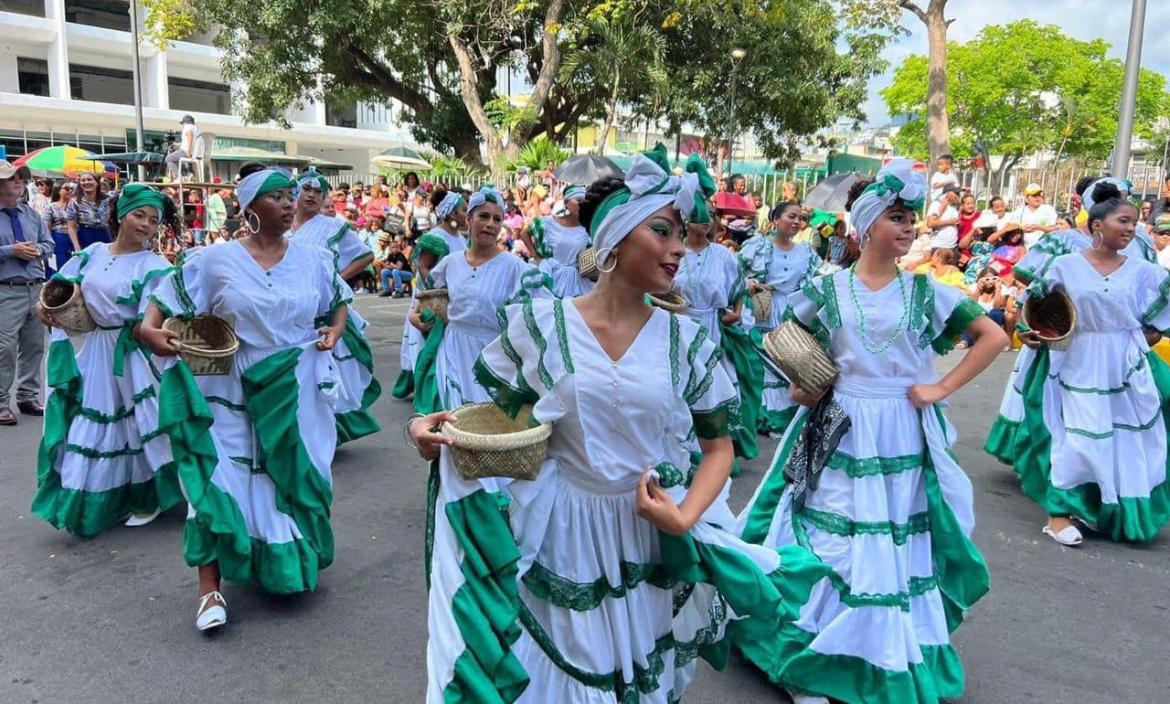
(25, 246)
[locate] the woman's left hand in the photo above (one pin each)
(730, 317)
(328, 339)
(926, 395)
(656, 506)
(1153, 336)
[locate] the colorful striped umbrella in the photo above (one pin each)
(63, 159)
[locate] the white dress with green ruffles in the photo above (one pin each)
(892, 514)
(1004, 438)
(1093, 439)
(558, 247)
(555, 590)
(102, 455)
(785, 271)
(359, 388)
(254, 447)
(412, 337)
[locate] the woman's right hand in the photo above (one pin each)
(160, 341)
(424, 433)
(806, 398)
(45, 316)
(1031, 338)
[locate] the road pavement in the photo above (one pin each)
(109, 620)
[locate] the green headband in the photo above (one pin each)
(434, 244)
(138, 195)
(312, 179)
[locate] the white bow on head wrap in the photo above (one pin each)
(1089, 199)
(649, 188)
(896, 181)
(448, 205)
(261, 182)
(486, 194)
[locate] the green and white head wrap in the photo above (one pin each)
(486, 194)
(312, 179)
(896, 182)
(448, 205)
(139, 195)
(255, 185)
(1088, 200)
(573, 193)
(650, 187)
(432, 243)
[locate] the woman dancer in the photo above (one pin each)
(556, 241)
(1002, 440)
(359, 387)
(1093, 440)
(56, 217)
(774, 262)
(478, 281)
(890, 512)
(451, 212)
(253, 448)
(425, 256)
(711, 282)
(88, 214)
(583, 567)
(102, 454)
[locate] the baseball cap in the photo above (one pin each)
(8, 170)
(1162, 224)
(1033, 189)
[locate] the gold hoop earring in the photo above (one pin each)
(608, 256)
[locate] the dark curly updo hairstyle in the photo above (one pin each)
(170, 215)
(598, 191)
(855, 192)
(437, 196)
(776, 212)
(250, 168)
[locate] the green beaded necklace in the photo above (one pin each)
(898, 329)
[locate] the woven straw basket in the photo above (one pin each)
(64, 302)
(587, 264)
(206, 343)
(670, 302)
(762, 304)
(1053, 318)
(434, 300)
(487, 442)
(800, 357)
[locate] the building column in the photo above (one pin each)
(155, 93)
(58, 56)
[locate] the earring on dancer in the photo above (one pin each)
(606, 253)
(248, 222)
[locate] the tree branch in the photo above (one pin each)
(909, 6)
(375, 75)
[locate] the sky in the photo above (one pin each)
(1083, 19)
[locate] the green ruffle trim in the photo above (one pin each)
(775, 422)
(739, 347)
(762, 511)
(86, 513)
(508, 397)
(1002, 440)
(564, 593)
(717, 422)
(486, 607)
(359, 423)
(963, 315)
(1131, 519)
(403, 385)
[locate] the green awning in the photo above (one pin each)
(261, 155)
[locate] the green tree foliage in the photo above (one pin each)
(1022, 89)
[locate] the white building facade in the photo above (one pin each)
(65, 78)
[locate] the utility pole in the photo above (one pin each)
(736, 57)
(137, 76)
(1133, 61)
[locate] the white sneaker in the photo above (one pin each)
(807, 699)
(135, 520)
(210, 617)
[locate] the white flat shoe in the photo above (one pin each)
(135, 520)
(807, 699)
(1069, 536)
(211, 617)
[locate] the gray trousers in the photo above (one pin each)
(22, 343)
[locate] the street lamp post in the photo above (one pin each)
(1133, 65)
(137, 76)
(736, 57)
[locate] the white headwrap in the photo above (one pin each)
(262, 182)
(573, 192)
(486, 194)
(649, 188)
(1088, 199)
(448, 205)
(897, 181)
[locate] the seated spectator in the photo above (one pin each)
(395, 272)
(968, 231)
(942, 268)
(997, 297)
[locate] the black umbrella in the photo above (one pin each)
(586, 168)
(831, 193)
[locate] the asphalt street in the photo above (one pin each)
(109, 620)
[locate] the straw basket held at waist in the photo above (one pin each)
(762, 303)
(670, 302)
(587, 264)
(206, 343)
(798, 354)
(487, 442)
(63, 301)
(1053, 318)
(434, 300)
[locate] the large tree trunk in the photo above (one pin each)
(611, 115)
(938, 130)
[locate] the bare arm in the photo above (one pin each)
(356, 266)
(656, 505)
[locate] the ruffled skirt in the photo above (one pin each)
(358, 388)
